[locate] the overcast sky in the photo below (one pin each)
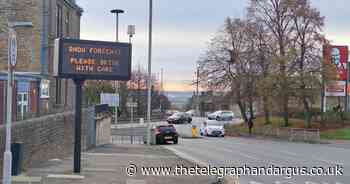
(182, 29)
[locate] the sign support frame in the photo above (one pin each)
(77, 123)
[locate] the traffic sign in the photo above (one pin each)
(12, 48)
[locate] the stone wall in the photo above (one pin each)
(45, 138)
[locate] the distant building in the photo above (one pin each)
(37, 23)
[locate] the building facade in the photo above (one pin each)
(37, 24)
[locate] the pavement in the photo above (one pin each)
(107, 165)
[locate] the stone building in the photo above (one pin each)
(37, 24)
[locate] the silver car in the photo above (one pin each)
(216, 130)
(221, 116)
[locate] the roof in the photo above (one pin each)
(73, 4)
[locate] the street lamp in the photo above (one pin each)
(149, 85)
(116, 12)
(197, 92)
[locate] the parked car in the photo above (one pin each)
(191, 112)
(221, 115)
(165, 133)
(171, 112)
(179, 118)
(216, 130)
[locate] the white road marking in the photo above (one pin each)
(254, 182)
(66, 176)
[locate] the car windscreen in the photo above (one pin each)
(227, 113)
(166, 128)
(178, 114)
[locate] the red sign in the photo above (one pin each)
(337, 55)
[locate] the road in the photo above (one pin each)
(237, 152)
(228, 152)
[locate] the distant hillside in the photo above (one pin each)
(178, 99)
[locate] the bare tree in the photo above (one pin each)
(276, 16)
(308, 25)
(262, 54)
(226, 65)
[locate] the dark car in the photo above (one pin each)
(179, 118)
(165, 133)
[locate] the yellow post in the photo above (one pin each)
(194, 131)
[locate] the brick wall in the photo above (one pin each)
(45, 138)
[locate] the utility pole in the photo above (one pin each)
(149, 82)
(161, 90)
(197, 92)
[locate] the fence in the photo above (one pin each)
(307, 135)
(129, 135)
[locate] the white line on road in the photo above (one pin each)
(254, 182)
(66, 176)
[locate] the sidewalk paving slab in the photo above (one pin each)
(107, 165)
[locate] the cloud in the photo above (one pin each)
(182, 29)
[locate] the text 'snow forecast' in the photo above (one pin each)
(92, 59)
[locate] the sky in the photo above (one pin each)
(182, 30)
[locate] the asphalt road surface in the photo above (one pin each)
(237, 152)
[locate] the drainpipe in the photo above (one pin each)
(44, 39)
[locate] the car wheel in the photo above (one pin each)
(159, 141)
(217, 118)
(175, 140)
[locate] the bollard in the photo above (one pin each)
(142, 121)
(194, 131)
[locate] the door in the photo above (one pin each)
(22, 105)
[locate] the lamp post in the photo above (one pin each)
(149, 82)
(116, 12)
(12, 56)
(197, 93)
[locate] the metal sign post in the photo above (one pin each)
(77, 144)
(12, 59)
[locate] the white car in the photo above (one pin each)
(216, 130)
(221, 115)
(191, 112)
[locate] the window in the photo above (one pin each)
(45, 89)
(67, 20)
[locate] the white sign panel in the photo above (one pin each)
(335, 88)
(109, 98)
(12, 47)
